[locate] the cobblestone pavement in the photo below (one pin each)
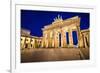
(51, 54)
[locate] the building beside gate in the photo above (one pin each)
(28, 41)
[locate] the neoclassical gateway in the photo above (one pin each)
(59, 34)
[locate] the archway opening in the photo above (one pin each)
(75, 38)
(67, 38)
(59, 39)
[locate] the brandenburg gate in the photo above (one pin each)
(60, 33)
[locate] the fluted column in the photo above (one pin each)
(46, 39)
(70, 38)
(63, 39)
(55, 39)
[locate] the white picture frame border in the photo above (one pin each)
(17, 67)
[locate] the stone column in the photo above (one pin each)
(46, 39)
(80, 37)
(45, 45)
(55, 39)
(70, 38)
(63, 39)
(42, 42)
(53, 42)
(84, 41)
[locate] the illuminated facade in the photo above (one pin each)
(58, 34)
(28, 41)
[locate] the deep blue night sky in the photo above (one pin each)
(35, 20)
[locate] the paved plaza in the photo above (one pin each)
(51, 54)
